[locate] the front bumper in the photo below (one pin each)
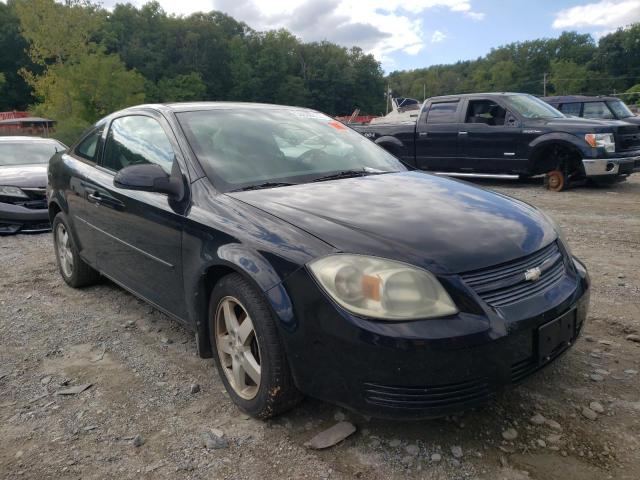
(422, 369)
(16, 218)
(599, 167)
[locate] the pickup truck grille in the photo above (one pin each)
(628, 138)
(506, 284)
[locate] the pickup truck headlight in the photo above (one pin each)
(383, 289)
(12, 192)
(604, 140)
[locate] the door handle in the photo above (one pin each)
(463, 133)
(422, 134)
(94, 197)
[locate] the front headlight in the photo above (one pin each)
(604, 140)
(385, 289)
(12, 192)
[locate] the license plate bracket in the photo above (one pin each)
(555, 336)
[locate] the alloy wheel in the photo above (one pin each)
(238, 348)
(65, 255)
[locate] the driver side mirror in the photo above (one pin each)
(149, 177)
(511, 121)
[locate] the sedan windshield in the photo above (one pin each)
(620, 109)
(26, 153)
(531, 107)
(263, 148)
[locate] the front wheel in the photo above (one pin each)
(556, 181)
(249, 355)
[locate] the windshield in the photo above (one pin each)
(26, 153)
(620, 109)
(531, 107)
(242, 148)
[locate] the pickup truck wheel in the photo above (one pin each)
(249, 355)
(556, 181)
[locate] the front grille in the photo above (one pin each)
(428, 397)
(37, 199)
(505, 284)
(628, 138)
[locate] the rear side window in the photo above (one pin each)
(444, 112)
(597, 110)
(136, 140)
(571, 109)
(88, 148)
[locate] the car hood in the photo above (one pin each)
(577, 123)
(445, 225)
(27, 176)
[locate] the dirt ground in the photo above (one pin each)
(141, 366)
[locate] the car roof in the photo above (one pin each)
(579, 98)
(26, 139)
(195, 106)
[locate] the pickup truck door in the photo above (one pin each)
(437, 137)
(490, 137)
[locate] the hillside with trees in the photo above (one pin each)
(76, 61)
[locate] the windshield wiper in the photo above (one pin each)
(264, 185)
(347, 174)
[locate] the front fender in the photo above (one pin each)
(389, 143)
(566, 139)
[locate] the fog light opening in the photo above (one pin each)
(610, 166)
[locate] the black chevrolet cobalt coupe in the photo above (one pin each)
(307, 260)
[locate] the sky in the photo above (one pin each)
(408, 34)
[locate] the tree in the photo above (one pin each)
(567, 77)
(181, 88)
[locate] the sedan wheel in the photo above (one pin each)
(238, 348)
(65, 255)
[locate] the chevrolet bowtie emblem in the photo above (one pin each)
(532, 274)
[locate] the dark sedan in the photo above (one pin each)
(23, 180)
(308, 260)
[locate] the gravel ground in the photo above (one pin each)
(578, 419)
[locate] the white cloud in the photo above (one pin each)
(606, 14)
(381, 27)
(438, 36)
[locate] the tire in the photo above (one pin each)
(275, 392)
(75, 271)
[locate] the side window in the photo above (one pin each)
(597, 110)
(572, 109)
(485, 111)
(444, 112)
(134, 140)
(88, 147)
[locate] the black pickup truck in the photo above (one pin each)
(512, 134)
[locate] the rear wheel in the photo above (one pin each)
(75, 271)
(249, 355)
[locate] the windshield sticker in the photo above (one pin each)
(337, 125)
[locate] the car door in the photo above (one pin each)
(490, 137)
(437, 137)
(81, 168)
(140, 233)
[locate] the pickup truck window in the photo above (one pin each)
(597, 110)
(529, 106)
(444, 112)
(485, 111)
(620, 109)
(571, 109)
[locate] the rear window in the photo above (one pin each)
(444, 112)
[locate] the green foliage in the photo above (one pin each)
(181, 88)
(635, 95)
(567, 77)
